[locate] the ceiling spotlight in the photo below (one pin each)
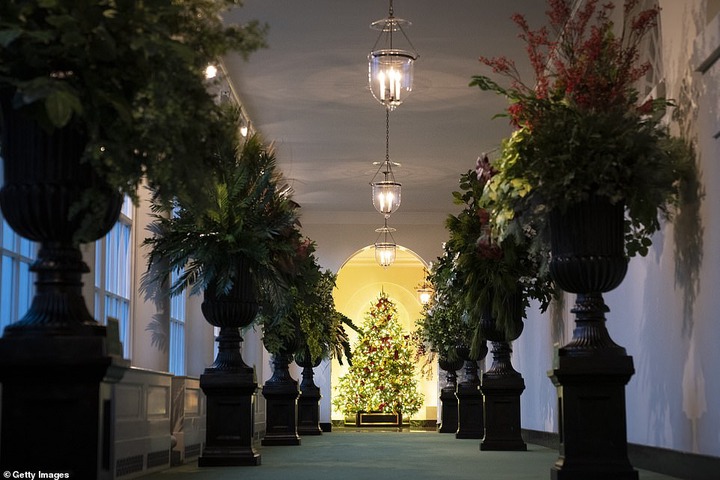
(211, 71)
(391, 61)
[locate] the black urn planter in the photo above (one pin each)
(448, 398)
(470, 400)
(502, 386)
(591, 371)
(57, 353)
(308, 422)
(229, 383)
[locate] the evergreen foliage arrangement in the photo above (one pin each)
(444, 322)
(308, 324)
(583, 129)
(246, 219)
(127, 75)
(381, 378)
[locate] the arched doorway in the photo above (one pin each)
(359, 282)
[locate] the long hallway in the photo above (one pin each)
(374, 455)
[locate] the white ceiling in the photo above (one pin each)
(308, 94)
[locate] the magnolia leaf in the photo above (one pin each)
(60, 106)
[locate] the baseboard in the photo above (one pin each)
(326, 427)
(544, 439)
(674, 463)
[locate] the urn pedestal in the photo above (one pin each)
(591, 371)
(56, 412)
(502, 385)
(448, 398)
(470, 400)
(229, 384)
(501, 388)
(229, 434)
(309, 401)
(281, 404)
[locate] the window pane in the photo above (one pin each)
(27, 248)
(127, 208)
(113, 255)
(25, 288)
(177, 330)
(16, 282)
(6, 292)
(177, 348)
(8, 237)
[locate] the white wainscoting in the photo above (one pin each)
(188, 419)
(143, 440)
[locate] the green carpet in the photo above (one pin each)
(374, 455)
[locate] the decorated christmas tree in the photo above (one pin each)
(382, 375)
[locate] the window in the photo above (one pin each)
(16, 282)
(177, 331)
(113, 275)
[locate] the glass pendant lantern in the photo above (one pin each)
(391, 62)
(385, 246)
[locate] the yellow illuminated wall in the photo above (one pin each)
(359, 283)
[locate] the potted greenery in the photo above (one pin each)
(127, 77)
(441, 329)
(94, 99)
(582, 130)
(234, 249)
(310, 329)
(591, 165)
(282, 337)
(499, 277)
(240, 230)
(443, 325)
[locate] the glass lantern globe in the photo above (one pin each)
(385, 253)
(390, 75)
(386, 196)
